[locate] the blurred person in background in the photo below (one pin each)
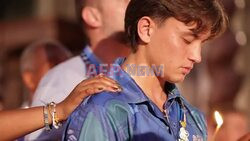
(103, 22)
(37, 59)
(221, 58)
(235, 125)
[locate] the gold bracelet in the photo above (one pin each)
(46, 118)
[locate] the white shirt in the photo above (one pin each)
(57, 84)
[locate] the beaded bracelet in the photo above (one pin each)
(55, 119)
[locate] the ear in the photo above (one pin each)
(91, 17)
(28, 80)
(145, 29)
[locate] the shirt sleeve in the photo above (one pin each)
(101, 123)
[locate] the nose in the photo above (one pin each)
(195, 53)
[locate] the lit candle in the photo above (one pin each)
(219, 122)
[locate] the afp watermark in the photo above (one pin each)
(131, 69)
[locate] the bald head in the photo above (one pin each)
(40, 52)
(38, 58)
(103, 22)
(102, 19)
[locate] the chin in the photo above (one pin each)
(180, 80)
(174, 79)
(177, 80)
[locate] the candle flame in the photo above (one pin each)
(218, 118)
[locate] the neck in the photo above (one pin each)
(152, 86)
(108, 49)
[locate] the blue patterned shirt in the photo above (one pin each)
(131, 115)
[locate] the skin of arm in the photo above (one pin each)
(16, 123)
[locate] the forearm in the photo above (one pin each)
(16, 123)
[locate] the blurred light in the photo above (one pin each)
(240, 3)
(218, 118)
(241, 38)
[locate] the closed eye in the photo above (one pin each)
(186, 41)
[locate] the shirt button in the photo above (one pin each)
(174, 125)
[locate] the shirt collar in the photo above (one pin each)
(90, 56)
(132, 92)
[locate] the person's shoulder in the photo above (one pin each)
(60, 81)
(105, 98)
(105, 108)
(193, 109)
(70, 69)
(102, 105)
(74, 64)
(108, 101)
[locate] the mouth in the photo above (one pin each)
(186, 70)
